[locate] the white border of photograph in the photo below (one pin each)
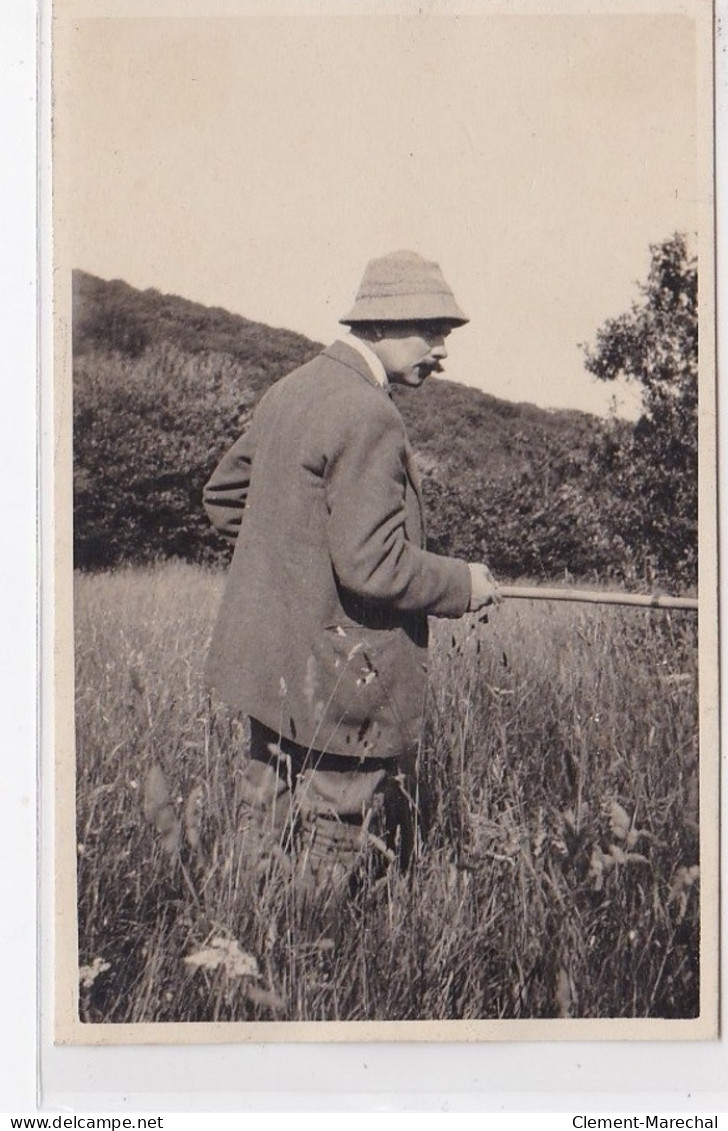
(492, 1077)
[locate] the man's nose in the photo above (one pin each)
(439, 349)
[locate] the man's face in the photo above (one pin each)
(411, 351)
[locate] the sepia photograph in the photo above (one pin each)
(385, 522)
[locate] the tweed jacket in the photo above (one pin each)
(322, 631)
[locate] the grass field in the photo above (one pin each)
(556, 870)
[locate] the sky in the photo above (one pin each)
(257, 163)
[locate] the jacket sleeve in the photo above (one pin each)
(225, 495)
(365, 482)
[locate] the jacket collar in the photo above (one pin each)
(347, 355)
(369, 356)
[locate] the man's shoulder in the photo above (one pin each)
(337, 359)
(338, 378)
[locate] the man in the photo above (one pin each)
(322, 635)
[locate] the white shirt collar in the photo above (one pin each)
(378, 371)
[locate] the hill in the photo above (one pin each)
(163, 385)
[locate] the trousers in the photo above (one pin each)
(327, 800)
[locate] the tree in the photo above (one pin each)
(654, 468)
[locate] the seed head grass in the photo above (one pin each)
(555, 869)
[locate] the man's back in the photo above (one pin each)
(323, 626)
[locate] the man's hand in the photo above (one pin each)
(483, 587)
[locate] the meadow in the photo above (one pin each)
(555, 869)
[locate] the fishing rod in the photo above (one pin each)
(595, 597)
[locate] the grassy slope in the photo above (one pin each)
(558, 780)
(163, 386)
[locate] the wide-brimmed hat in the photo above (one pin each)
(404, 287)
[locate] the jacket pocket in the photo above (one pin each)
(363, 665)
(360, 651)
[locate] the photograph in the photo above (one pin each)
(385, 536)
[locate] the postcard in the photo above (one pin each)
(385, 545)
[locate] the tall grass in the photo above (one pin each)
(555, 870)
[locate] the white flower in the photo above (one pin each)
(87, 975)
(226, 953)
